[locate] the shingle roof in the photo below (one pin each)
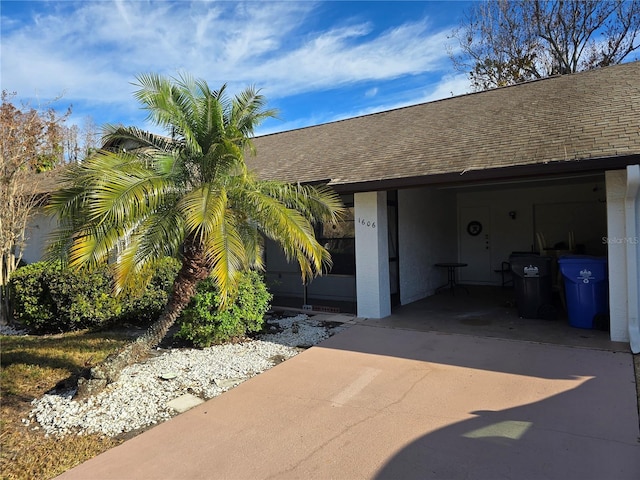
(45, 182)
(593, 114)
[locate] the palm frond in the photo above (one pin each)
(169, 106)
(288, 227)
(118, 135)
(248, 111)
(130, 191)
(92, 245)
(162, 233)
(225, 252)
(190, 194)
(253, 243)
(203, 210)
(319, 203)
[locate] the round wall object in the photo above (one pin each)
(474, 228)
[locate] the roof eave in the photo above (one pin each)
(518, 172)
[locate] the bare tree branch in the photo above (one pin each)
(30, 141)
(504, 42)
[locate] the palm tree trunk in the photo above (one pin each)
(193, 270)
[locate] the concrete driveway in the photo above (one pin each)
(381, 403)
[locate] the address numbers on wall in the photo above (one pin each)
(366, 223)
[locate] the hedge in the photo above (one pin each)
(204, 325)
(48, 298)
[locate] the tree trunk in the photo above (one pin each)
(7, 267)
(193, 270)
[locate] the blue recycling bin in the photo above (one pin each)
(586, 286)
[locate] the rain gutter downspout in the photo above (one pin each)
(632, 243)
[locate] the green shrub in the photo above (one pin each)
(202, 323)
(145, 307)
(31, 301)
(50, 299)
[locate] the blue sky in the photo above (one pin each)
(315, 62)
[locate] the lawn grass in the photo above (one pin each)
(31, 366)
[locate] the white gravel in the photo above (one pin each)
(9, 330)
(139, 398)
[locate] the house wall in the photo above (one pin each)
(554, 210)
(283, 279)
(426, 235)
(38, 230)
(372, 255)
(632, 218)
(623, 243)
(618, 307)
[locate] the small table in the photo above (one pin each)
(451, 276)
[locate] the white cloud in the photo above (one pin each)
(448, 86)
(92, 51)
(122, 10)
(117, 40)
(372, 92)
(331, 59)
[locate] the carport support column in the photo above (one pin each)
(632, 212)
(623, 244)
(372, 255)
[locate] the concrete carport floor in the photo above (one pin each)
(386, 403)
(491, 312)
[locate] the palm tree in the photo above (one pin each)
(190, 196)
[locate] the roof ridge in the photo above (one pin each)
(462, 95)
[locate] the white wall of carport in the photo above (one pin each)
(623, 239)
(426, 235)
(509, 235)
(618, 308)
(632, 217)
(372, 255)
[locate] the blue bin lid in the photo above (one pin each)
(581, 259)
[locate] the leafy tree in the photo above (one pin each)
(190, 196)
(30, 143)
(503, 42)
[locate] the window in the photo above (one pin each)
(340, 240)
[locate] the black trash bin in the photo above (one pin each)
(533, 286)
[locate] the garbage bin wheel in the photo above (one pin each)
(547, 312)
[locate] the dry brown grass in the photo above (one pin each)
(31, 366)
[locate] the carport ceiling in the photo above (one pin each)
(564, 180)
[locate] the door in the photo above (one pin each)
(475, 244)
(392, 227)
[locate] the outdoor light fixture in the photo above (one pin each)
(512, 214)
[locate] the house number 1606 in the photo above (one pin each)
(366, 223)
